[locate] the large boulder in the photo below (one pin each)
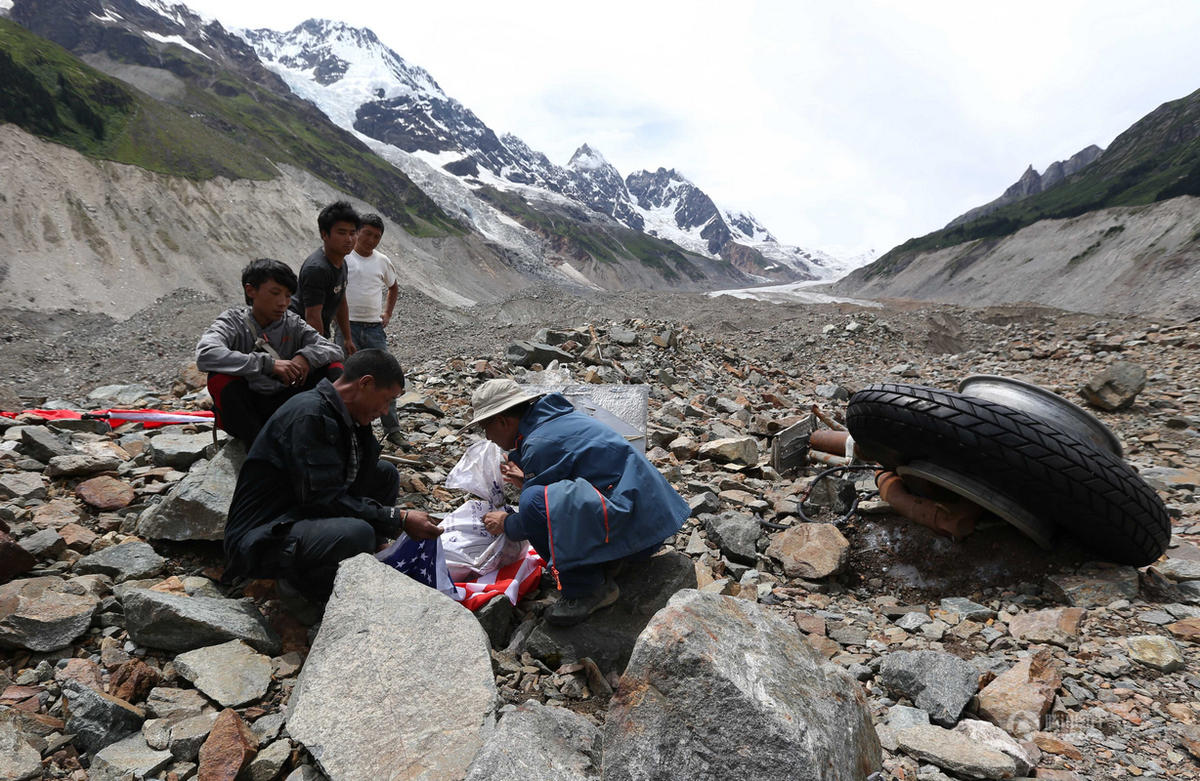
(175, 622)
(39, 615)
(608, 636)
(398, 683)
(197, 507)
(721, 687)
(542, 742)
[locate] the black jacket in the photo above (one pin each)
(299, 467)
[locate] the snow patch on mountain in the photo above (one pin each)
(175, 39)
(339, 68)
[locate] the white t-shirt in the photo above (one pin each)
(367, 283)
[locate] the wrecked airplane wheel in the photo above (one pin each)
(1088, 491)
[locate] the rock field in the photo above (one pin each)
(741, 651)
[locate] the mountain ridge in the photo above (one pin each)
(449, 136)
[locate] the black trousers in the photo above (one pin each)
(306, 551)
(242, 413)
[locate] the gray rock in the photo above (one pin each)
(80, 464)
(833, 494)
(121, 395)
(608, 636)
(175, 704)
(910, 622)
(267, 728)
(542, 742)
(496, 618)
(127, 561)
(528, 353)
(938, 683)
(19, 760)
(1161, 653)
(87, 425)
(1189, 592)
(129, 758)
(179, 451)
(704, 502)
(833, 391)
(990, 736)
(972, 611)
(188, 735)
(1094, 589)
(37, 614)
(305, 773)
(41, 443)
(706, 663)
(178, 623)
(623, 337)
(735, 533)
(1116, 387)
(46, 542)
(198, 506)
(98, 720)
(232, 673)
(269, 762)
(731, 450)
(22, 485)
(955, 752)
(369, 703)
(1182, 570)
(901, 716)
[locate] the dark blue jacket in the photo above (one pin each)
(595, 495)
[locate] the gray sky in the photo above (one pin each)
(841, 125)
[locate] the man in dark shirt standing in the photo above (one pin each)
(313, 490)
(321, 296)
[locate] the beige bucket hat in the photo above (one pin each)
(495, 396)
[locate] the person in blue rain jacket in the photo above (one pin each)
(588, 498)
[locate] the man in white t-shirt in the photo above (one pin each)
(370, 276)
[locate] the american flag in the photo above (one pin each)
(425, 562)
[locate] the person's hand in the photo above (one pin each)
(387, 318)
(494, 522)
(419, 525)
(288, 372)
(349, 347)
(302, 366)
(512, 474)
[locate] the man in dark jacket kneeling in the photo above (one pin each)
(313, 490)
(588, 498)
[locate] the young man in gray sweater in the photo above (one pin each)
(259, 356)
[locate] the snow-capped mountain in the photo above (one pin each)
(362, 84)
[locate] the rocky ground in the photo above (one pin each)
(985, 658)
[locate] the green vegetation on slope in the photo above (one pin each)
(605, 244)
(49, 92)
(220, 125)
(1155, 159)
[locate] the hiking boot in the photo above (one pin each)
(567, 612)
(397, 438)
(294, 601)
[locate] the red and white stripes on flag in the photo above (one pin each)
(513, 581)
